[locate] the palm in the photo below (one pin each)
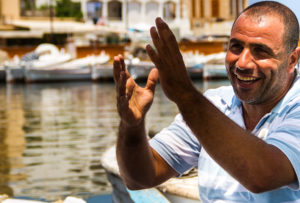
(133, 101)
(138, 104)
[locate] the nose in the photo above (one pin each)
(245, 60)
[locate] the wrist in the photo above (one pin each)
(132, 125)
(131, 136)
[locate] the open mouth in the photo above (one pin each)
(246, 79)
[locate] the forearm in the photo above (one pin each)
(134, 156)
(254, 163)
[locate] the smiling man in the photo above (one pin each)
(245, 139)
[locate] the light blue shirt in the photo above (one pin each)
(281, 128)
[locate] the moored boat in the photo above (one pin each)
(14, 70)
(76, 69)
(214, 71)
(139, 70)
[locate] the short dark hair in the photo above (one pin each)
(291, 24)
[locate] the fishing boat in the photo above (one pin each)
(214, 71)
(139, 70)
(102, 72)
(14, 70)
(43, 56)
(77, 69)
(214, 67)
(175, 190)
(3, 58)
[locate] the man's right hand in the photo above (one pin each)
(133, 101)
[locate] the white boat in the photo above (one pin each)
(214, 71)
(139, 70)
(43, 56)
(102, 72)
(77, 69)
(102, 69)
(214, 67)
(175, 190)
(3, 58)
(14, 70)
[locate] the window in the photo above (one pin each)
(151, 11)
(115, 10)
(169, 10)
(215, 8)
(134, 12)
(94, 9)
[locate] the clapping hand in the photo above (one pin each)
(167, 58)
(133, 101)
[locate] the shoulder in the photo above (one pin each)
(222, 97)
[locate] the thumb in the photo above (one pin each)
(152, 79)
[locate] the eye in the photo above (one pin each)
(259, 52)
(236, 48)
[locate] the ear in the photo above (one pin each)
(294, 58)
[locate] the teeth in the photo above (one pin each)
(246, 79)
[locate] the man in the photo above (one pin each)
(245, 139)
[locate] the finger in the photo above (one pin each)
(158, 43)
(130, 87)
(116, 69)
(122, 85)
(154, 57)
(122, 62)
(152, 80)
(168, 38)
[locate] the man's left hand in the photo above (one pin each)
(167, 58)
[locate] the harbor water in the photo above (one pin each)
(52, 136)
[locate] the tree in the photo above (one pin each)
(67, 8)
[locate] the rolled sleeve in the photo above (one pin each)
(177, 145)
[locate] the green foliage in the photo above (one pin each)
(67, 8)
(28, 4)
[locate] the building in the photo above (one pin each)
(187, 15)
(9, 9)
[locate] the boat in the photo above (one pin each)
(102, 69)
(3, 58)
(102, 72)
(44, 55)
(59, 66)
(214, 71)
(175, 190)
(139, 70)
(214, 67)
(14, 70)
(77, 69)
(194, 64)
(195, 71)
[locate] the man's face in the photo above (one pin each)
(256, 60)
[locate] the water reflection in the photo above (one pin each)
(52, 136)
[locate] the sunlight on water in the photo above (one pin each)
(52, 136)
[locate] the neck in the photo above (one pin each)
(252, 113)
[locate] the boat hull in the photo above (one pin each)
(39, 75)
